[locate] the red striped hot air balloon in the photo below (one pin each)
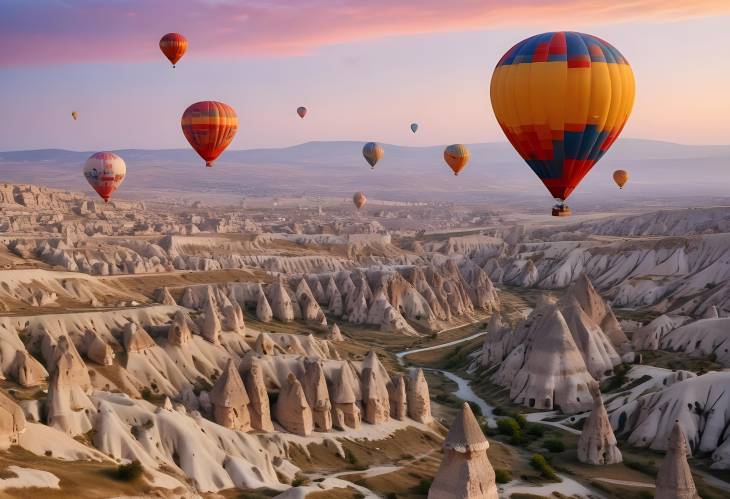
(210, 127)
(173, 45)
(105, 172)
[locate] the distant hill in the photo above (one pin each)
(495, 173)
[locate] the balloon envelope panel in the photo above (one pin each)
(562, 99)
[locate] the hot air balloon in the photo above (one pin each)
(209, 126)
(620, 177)
(74, 115)
(456, 156)
(173, 45)
(302, 111)
(414, 127)
(372, 153)
(562, 99)
(105, 172)
(359, 199)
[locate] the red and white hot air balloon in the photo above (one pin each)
(105, 172)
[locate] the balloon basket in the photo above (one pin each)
(561, 210)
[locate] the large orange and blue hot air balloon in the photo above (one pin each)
(173, 45)
(562, 99)
(210, 127)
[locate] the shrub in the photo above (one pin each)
(539, 462)
(502, 475)
(475, 408)
(129, 472)
(520, 420)
(146, 394)
(535, 430)
(507, 426)
(423, 487)
(350, 457)
(554, 445)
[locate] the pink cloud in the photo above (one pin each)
(72, 31)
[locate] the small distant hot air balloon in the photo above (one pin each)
(173, 45)
(562, 99)
(210, 127)
(414, 127)
(74, 115)
(302, 111)
(359, 199)
(372, 153)
(456, 156)
(620, 177)
(105, 172)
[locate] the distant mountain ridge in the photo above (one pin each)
(405, 172)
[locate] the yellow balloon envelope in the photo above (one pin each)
(620, 177)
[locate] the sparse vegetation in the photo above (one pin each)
(502, 475)
(129, 472)
(541, 464)
(423, 487)
(554, 445)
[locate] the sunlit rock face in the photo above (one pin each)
(465, 470)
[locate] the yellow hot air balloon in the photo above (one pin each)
(562, 99)
(620, 177)
(457, 156)
(359, 199)
(74, 115)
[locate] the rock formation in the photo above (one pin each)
(28, 371)
(335, 334)
(597, 443)
(281, 304)
(419, 401)
(232, 315)
(259, 409)
(210, 329)
(375, 400)
(68, 408)
(465, 471)
(179, 333)
(346, 413)
(163, 296)
(674, 479)
(263, 309)
(230, 400)
(97, 350)
(398, 398)
(136, 339)
(292, 409)
(12, 421)
(315, 390)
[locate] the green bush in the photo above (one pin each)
(520, 420)
(535, 430)
(129, 472)
(554, 445)
(539, 462)
(507, 426)
(502, 475)
(475, 408)
(423, 487)
(146, 393)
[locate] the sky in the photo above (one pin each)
(364, 69)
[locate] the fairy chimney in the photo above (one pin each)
(292, 410)
(230, 400)
(28, 371)
(12, 421)
(375, 392)
(315, 389)
(264, 344)
(674, 480)
(597, 443)
(398, 397)
(258, 399)
(346, 413)
(98, 350)
(281, 305)
(465, 471)
(263, 309)
(419, 401)
(210, 328)
(335, 334)
(136, 339)
(163, 296)
(179, 333)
